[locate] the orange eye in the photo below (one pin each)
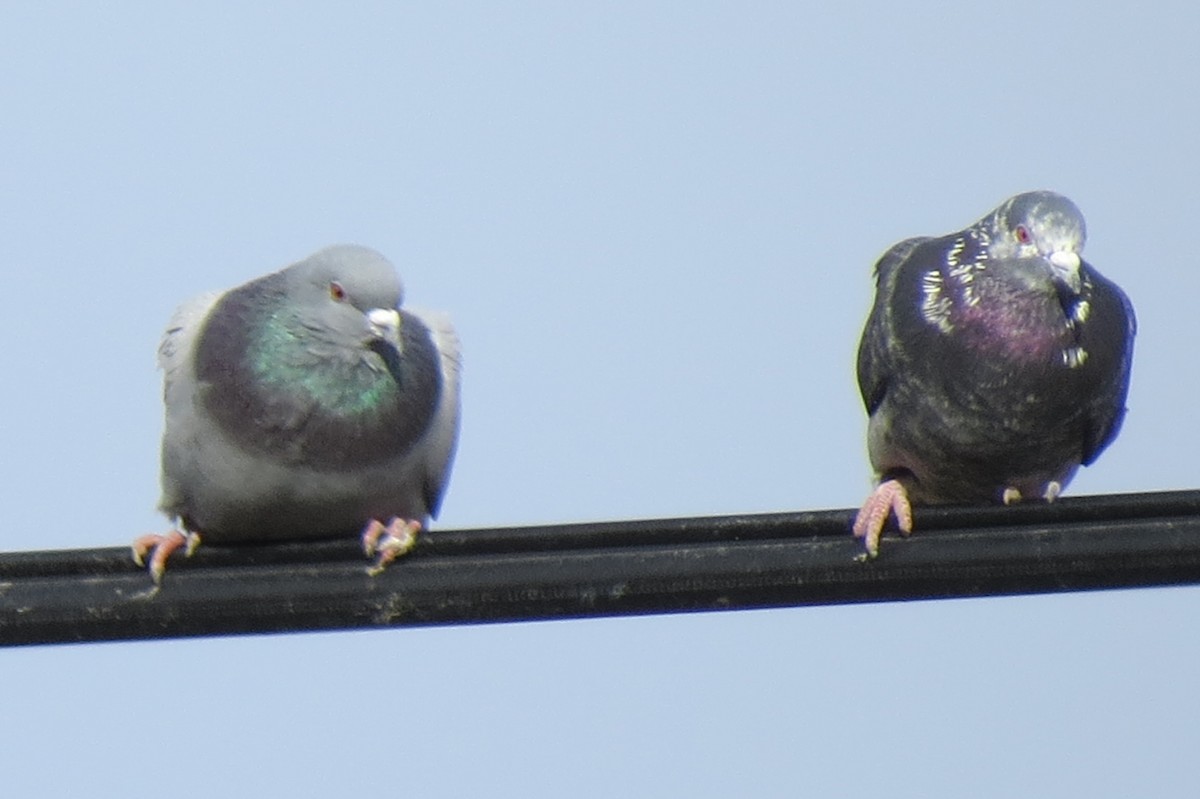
(336, 291)
(1023, 235)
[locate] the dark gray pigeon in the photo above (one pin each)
(306, 404)
(994, 362)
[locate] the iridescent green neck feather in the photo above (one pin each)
(344, 379)
(281, 381)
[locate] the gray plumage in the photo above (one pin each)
(994, 362)
(295, 409)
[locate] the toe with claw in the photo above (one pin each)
(389, 541)
(889, 497)
(160, 547)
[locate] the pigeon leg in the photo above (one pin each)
(888, 497)
(397, 538)
(160, 547)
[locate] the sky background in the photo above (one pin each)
(654, 225)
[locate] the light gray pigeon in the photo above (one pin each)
(994, 363)
(306, 404)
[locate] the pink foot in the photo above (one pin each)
(160, 547)
(391, 541)
(888, 497)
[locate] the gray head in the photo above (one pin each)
(1042, 225)
(350, 290)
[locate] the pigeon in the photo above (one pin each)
(306, 404)
(994, 362)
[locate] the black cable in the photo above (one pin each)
(604, 569)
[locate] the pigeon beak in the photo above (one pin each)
(384, 324)
(1065, 265)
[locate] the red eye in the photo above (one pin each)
(336, 291)
(1023, 234)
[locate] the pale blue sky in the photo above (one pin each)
(654, 225)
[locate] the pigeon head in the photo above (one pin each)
(1045, 226)
(351, 293)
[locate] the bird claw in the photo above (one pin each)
(160, 547)
(1012, 495)
(889, 497)
(397, 538)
